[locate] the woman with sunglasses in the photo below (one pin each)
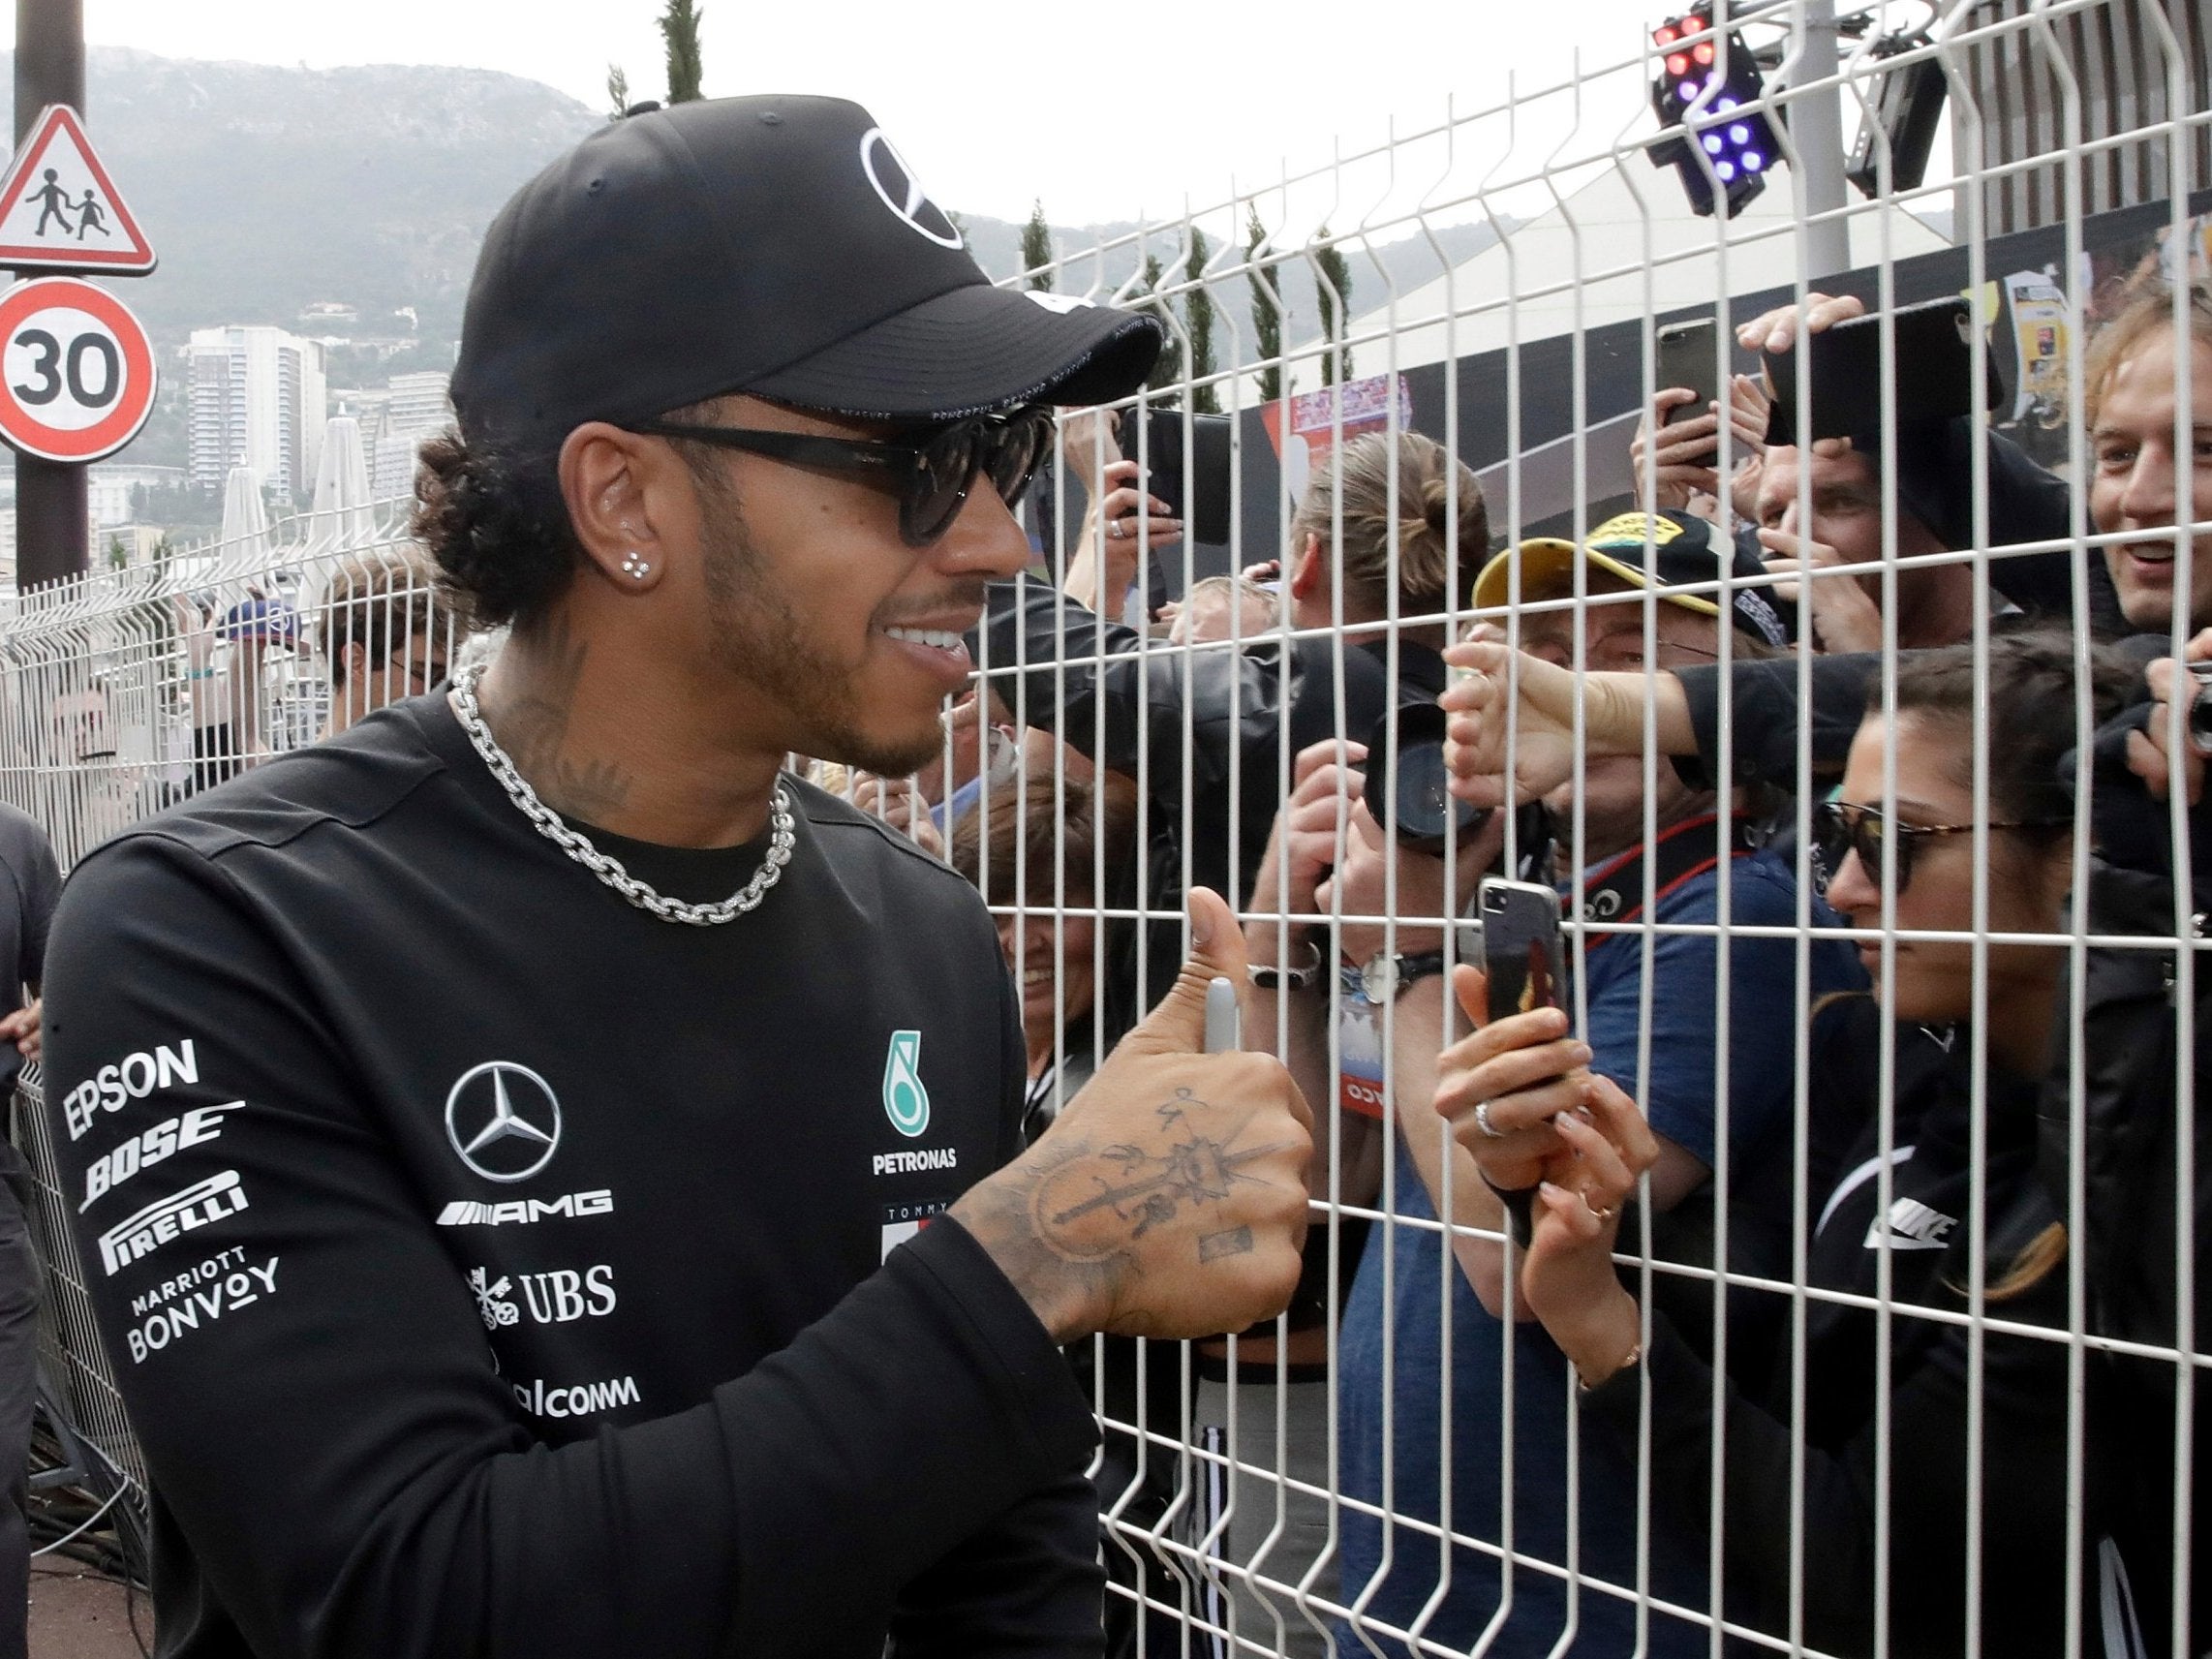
(1926, 1194)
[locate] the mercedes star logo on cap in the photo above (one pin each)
(901, 192)
(504, 1120)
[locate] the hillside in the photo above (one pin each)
(268, 190)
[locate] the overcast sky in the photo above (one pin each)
(1102, 113)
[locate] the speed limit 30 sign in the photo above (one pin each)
(77, 370)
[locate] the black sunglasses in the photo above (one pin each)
(1840, 827)
(930, 470)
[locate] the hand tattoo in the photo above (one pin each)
(1146, 1188)
(1235, 1242)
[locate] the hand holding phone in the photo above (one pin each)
(1501, 1088)
(1685, 362)
(1931, 377)
(1523, 959)
(1200, 498)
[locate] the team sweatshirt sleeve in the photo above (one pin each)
(330, 1432)
(1027, 1586)
(1126, 703)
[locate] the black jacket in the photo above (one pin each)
(1127, 702)
(2140, 1224)
(1766, 712)
(492, 1268)
(1929, 1164)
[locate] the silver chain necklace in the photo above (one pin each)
(608, 869)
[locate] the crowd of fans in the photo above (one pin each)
(1758, 1261)
(1818, 824)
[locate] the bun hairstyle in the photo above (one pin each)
(1359, 474)
(498, 530)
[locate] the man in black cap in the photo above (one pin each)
(543, 1171)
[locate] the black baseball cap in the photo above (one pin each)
(774, 245)
(1683, 550)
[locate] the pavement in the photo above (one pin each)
(74, 1615)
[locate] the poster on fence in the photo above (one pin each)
(2039, 309)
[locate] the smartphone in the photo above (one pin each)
(1522, 955)
(1201, 500)
(1932, 377)
(1685, 358)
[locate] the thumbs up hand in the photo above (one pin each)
(1168, 1199)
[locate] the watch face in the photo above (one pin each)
(1379, 979)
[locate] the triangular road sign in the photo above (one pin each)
(58, 207)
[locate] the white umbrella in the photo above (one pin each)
(245, 518)
(341, 484)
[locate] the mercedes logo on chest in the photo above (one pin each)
(504, 1120)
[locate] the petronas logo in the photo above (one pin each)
(905, 1101)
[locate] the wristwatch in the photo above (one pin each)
(1386, 976)
(1269, 977)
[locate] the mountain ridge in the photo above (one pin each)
(267, 190)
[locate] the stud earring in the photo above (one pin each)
(633, 566)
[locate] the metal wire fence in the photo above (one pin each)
(1911, 1275)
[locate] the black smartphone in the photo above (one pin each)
(1932, 379)
(1200, 498)
(1685, 358)
(1522, 955)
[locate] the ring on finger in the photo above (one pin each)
(1604, 1215)
(1484, 1123)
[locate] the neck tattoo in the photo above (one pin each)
(606, 868)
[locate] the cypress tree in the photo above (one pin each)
(1267, 309)
(1198, 323)
(679, 29)
(1036, 248)
(1335, 292)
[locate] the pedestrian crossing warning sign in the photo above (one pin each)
(58, 207)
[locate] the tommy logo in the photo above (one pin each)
(504, 1120)
(901, 192)
(905, 1101)
(904, 1221)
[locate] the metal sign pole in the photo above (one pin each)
(53, 498)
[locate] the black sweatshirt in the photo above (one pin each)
(493, 1267)
(2024, 1379)
(1764, 698)
(1235, 717)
